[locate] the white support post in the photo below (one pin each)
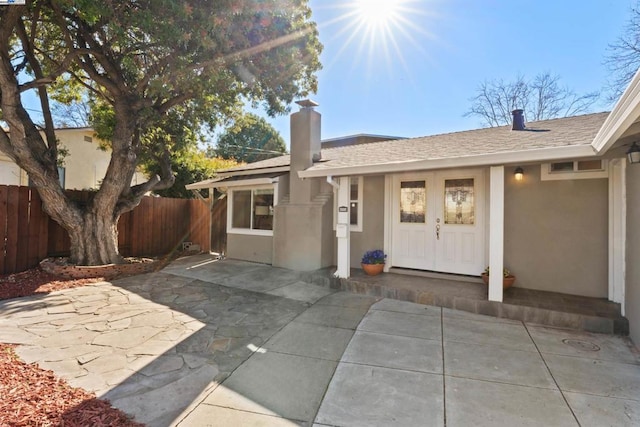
(343, 233)
(617, 231)
(388, 239)
(496, 233)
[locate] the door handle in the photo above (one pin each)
(438, 231)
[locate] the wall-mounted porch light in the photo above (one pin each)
(633, 154)
(519, 174)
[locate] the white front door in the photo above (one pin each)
(438, 221)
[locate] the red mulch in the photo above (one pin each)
(36, 281)
(30, 396)
(36, 397)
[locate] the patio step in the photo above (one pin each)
(467, 294)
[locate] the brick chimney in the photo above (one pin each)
(305, 149)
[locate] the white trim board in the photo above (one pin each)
(226, 184)
(624, 114)
(496, 232)
(256, 171)
(617, 232)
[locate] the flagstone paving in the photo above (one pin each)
(221, 343)
(152, 343)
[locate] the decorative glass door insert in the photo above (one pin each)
(413, 201)
(459, 201)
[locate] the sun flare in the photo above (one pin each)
(376, 13)
(380, 32)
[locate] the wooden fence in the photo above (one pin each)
(23, 229)
(156, 226)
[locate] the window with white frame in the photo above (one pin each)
(355, 204)
(578, 169)
(250, 211)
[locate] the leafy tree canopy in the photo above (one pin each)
(190, 165)
(142, 62)
(250, 139)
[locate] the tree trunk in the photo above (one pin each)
(95, 240)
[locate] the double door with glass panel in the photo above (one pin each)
(438, 221)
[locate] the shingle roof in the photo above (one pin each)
(262, 164)
(564, 132)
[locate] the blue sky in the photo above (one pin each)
(443, 50)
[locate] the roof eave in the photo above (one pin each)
(536, 155)
(227, 184)
(207, 183)
(257, 171)
(623, 115)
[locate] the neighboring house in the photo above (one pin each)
(83, 167)
(452, 203)
(10, 173)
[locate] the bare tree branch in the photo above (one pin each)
(49, 133)
(541, 98)
(623, 58)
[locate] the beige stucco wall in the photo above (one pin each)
(632, 291)
(85, 164)
(298, 237)
(556, 233)
(250, 247)
(9, 171)
(303, 234)
(372, 234)
(282, 187)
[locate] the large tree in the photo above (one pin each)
(249, 139)
(541, 98)
(190, 165)
(143, 60)
(177, 133)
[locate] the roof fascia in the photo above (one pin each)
(538, 155)
(207, 183)
(259, 171)
(227, 184)
(623, 115)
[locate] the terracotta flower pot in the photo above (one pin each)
(372, 269)
(507, 282)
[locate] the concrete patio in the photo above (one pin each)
(220, 343)
(467, 293)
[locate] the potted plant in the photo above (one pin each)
(507, 278)
(373, 262)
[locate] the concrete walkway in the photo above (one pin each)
(221, 343)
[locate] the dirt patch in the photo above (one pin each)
(36, 397)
